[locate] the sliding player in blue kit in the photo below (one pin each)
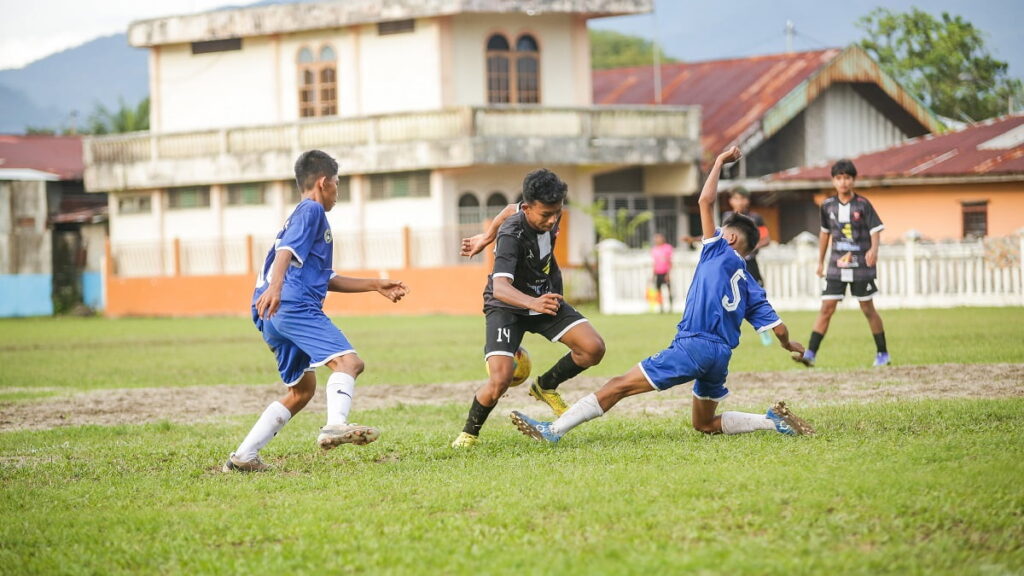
(721, 296)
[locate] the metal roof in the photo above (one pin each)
(58, 155)
(991, 148)
(745, 100)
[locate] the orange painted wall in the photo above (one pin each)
(935, 210)
(454, 290)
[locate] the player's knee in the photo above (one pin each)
(349, 363)
(593, 353)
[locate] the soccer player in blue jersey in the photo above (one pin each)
(287, 308)
(721, 296)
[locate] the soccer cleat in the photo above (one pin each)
(534, 429)
(335, 434)
(788, 423)
(882, 359)
(234, 464)
(465, 440)
(550, 397)
(807, 358)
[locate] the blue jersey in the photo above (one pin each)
(721, 297)
(307, 235)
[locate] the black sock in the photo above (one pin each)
(880, 342)
(478, 414)
(815, 342)
(564, 369)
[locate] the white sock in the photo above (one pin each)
(341, 388)
(742, 422)
(270, 423)
(585, 410)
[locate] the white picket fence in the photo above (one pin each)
(910, 275)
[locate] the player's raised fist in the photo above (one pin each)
(730, 155)
(547, 303)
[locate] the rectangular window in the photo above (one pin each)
(400, 185)
(975, 215)
(225, 45)
(249, 194)
(396, 27)
(183, 198)
(134, 204)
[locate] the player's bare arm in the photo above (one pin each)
(782, 333)
(543, 304)
(710, 190)
(475, 244)
(268, 302)
(823, 242)
(871, 258)
(393, 290)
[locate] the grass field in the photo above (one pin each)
(912, 486)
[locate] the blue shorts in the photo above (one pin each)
(691, 358)
(302, 338)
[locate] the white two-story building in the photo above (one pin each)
(435, 109)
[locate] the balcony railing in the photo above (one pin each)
(595, 122)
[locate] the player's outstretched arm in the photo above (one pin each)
(543, 304)
(475, 244)
(782, 333)
(393, 290)
(710, 190)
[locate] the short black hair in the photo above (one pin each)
(844, 166)
(739, 190)
(543, 186)
(311, 165)
(746, 227)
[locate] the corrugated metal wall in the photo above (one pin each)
(841, 123)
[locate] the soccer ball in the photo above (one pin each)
(520, 367)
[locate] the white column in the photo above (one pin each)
(608, 251)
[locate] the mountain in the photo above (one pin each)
(47, 92)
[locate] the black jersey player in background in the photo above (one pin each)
(524, 294)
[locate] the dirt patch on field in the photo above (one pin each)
(800, 388)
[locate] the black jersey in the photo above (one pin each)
(526, 257)
(850, 225)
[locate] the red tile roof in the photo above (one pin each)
(969, 152)
(733, 94)
(60, 155)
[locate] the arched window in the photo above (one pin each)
(527, 70)
(318, 82)
(513, 76)
(496, 202)
(498, 70)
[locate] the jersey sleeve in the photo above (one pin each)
(759, 312)
(823, 216)
(871, 218)
(506, 256)
(712, 246)
(299, 235)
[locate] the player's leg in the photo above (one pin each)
(865, 293)
(586, 349)
(293, 365)
(585, 409)
(830, 298)
(504, 333)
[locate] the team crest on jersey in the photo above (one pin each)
(328, 237)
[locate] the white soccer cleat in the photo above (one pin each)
(336, 434)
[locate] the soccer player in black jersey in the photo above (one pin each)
(524, 294)
(849, 222)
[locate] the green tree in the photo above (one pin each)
(620, 226)
(613, 50)
(124, 119)
(943, 61)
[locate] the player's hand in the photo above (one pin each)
(795, 347)
(393, 290)
(268, 302)
(871, 258)
(821, 270)
(546, 303)
(473, 245)
(731, 155)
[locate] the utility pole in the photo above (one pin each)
(656, 56)
(790, 33)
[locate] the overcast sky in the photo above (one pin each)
(689, 30)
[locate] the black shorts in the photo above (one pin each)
(505, 328)
(836, 290)
(661, 280)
